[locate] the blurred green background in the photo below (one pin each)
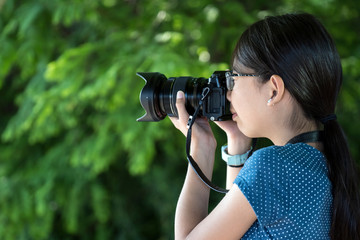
(74, 163)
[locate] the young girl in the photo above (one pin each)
(284, 85)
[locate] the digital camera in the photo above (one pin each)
(158, 96)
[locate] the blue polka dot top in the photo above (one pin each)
(289, 189)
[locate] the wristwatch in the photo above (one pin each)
(234, 160)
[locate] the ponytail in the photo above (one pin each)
(343, 174)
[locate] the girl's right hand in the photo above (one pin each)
(238, 143)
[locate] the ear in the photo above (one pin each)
(276, 90)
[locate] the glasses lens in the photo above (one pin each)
(229, 81)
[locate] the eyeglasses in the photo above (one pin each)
(230, 81)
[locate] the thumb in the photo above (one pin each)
(180, 105)
(180, 96)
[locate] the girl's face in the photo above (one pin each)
(248, 103)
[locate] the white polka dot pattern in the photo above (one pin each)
(289, 189)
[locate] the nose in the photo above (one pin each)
(228, 95)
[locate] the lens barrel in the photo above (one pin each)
(158, 96)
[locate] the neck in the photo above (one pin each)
(281, 136)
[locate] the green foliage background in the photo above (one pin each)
(74, 163)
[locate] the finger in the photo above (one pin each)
(225, 124)
(230, 127)
(179, 125)
(180, 106)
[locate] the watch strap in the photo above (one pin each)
(234, 160)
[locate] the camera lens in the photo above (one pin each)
(158, 96)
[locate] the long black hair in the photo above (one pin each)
(298, 48)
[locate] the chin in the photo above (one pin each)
(244, 130)
(247, 132)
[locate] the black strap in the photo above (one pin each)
(192, 162)
(315, 136)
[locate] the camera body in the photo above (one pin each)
(216, 107)
(158, 96)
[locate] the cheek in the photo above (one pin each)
(245, 105)
(234, 99)
(239, 101)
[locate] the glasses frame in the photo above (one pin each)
(230, 81)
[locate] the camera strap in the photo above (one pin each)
(315, 136)
(192, 162)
